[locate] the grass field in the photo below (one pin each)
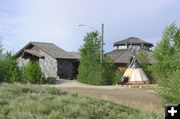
(144, 98)
(28, 101)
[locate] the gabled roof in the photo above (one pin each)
(74, 55)
(33, 52)
(51, 49)
(132, 40)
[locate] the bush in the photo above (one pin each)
(9, 70)
(118, 74)
(101, 74)
(41, 102)
(170, 87)
(107, 72)
(32, 73)
(144, 64)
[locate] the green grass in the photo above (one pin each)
(26, 101)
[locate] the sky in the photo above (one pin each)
(56, 21)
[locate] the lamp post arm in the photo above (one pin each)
(87, 26)
(102, 38)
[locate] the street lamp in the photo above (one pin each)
(87, 26)
(102, 38)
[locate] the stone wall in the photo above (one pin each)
(22, 62)
(48, 65)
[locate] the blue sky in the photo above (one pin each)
(56, 21)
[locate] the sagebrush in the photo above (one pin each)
(29, 101)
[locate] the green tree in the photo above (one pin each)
(144, 64)
(32, 73)
(9, 70)
(1, 50)
(91, 69)
(89, 53)
(167, 67)
(165, 50)
(105, 72)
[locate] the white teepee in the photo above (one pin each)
(134, 74)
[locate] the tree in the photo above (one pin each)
(107, 72)
(32, 73)
(144, 64)
(165, 50)
(9, 70)
(167, 67)
(1, 50)
(91, 69)
(89, 53)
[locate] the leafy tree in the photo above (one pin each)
(90, 53)
(32, 73)
(170, 87)
(91, 69)
(165, 50)
(105, 72)
(1, 50)
(167, 67)
(13, 69)
(144, 64)
(9, 71)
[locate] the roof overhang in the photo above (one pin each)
(32, 52)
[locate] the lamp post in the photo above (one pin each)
(102, 38)
(87, 26)
(102, 41)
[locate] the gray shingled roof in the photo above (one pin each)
(32, 52)
(74, 55)
(52, 50)
(122, 56)
(132, 40)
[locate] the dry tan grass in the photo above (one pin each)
(148, 107)
(142, 99)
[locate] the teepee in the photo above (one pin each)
(134, 74)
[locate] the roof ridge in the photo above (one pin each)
(51, 49)
(41, 42)
(132, 40)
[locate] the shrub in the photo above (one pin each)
(170, 87)
(27, 101)
(32, 73)
(2, 71)
(144, 64)
(107, 72)
(9, 70)
(118, 74)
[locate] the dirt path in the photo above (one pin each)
(143, 99)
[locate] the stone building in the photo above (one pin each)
(122, 55)
(54, 61)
